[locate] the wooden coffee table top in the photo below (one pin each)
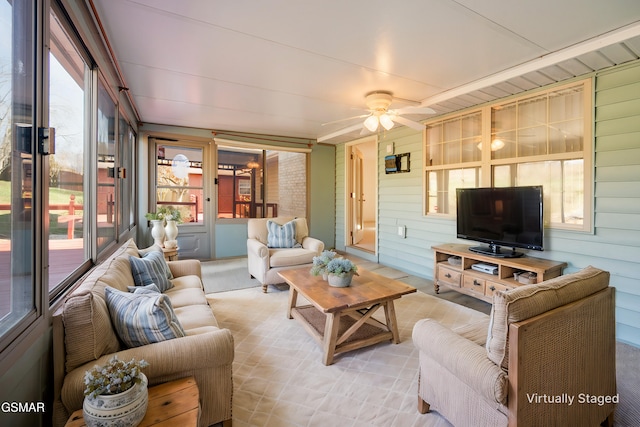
(367, 288)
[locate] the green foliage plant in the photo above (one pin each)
(115, 377)
(341, 267)
(320, 262)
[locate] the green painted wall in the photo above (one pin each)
(613, 246)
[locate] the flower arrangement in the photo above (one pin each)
(113, 378)
(341, 267)
(320, 262)
(168, 213)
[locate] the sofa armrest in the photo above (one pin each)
(313, 244)
(463, 358)
(168, 360)
(185, 267)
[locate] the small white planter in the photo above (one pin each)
(340, 282)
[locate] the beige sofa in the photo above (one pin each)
(265, 262)
(549, 350)
(83, 336)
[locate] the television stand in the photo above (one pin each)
(495, 251)
(453, 269)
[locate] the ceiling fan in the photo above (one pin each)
(378, 103)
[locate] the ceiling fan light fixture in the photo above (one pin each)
(371, 123)
(386, 122)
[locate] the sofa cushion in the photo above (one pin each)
(525, 302)
(183, 297)
(151, 269)
(142, 318)
(88, 331)
(196, 319)
(189, 281)
(290, 257)
(281, 236)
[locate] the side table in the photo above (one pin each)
(170, 254)
(174, 403)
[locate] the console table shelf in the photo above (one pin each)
(460, 276)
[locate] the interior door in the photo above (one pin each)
(181, 175)
(357, 196)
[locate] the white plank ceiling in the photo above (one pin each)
(285, 67)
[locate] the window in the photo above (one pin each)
(69, 78)
(126, 176)
(454, 155)
(179, 181)
(18, 305)
(540, 139)
(256, 183)
(105, 219)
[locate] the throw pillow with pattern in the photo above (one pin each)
(152, 269)
(281, 236)
(142, 318)
(147, 289)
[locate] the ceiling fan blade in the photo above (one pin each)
(409, 123)
(340, 132)
(415, 110)
(347, 119)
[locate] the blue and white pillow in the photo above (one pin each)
(146, 289)
(281, 236)
(142, 318)
(151, 269)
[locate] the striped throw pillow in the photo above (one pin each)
(281, 236)
(152, 268)
(146, 289)
(142, 318)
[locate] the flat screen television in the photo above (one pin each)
(504, 216)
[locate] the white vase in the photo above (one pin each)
(157, 232)
(171, 230)
(123, 409)
(340, 281)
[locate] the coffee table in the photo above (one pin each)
(340, 319)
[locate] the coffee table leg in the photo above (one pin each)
(330, 337)
(392, 323)
(293, 299)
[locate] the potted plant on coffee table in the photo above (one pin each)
(340, 271)
(320, 263)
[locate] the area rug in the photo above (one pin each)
(280, 380)
(227, 275)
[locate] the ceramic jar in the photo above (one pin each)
(123, 409)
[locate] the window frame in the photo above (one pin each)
(222, 143)
(486, 164)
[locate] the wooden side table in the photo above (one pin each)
(175, 403)
(170, 254)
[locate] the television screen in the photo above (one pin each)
(509, 216)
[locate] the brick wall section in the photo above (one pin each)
(292, 180)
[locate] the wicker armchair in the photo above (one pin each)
(549, 358)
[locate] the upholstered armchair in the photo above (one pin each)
(268, 252)
(548, 358)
